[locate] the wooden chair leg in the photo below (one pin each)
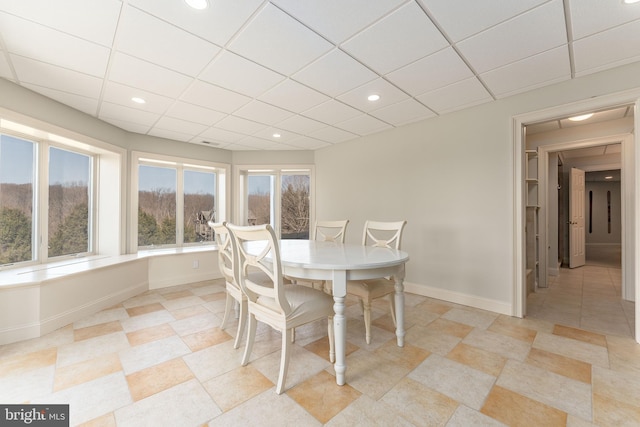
(228, 306)
(242, 322)
(251, 336)
(284, 360)
(392, 308)
(332, 341)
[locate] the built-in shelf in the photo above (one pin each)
(532, 215)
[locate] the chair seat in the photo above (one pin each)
(307, 304)
(370, 289)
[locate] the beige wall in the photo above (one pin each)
(451, 178)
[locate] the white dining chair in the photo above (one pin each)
(326, 231)
(234, 293)
(385, 235)
(283, 307)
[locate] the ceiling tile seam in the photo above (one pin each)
(112, 52)
(569, 29)
(456, 50)
(607, 29)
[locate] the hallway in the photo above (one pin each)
(587, 297)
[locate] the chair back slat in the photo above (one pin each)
(330, 231)
(225, 252)
(256, 249)
(383, 234)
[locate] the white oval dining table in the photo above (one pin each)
(340, 262)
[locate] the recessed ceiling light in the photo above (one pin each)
(138, 100)
(630, 1)
(373, 97)
(608, 177)
(581, 118)
(276, 135)
(198, 4)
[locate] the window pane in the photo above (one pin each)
(295, 207)
(16, 199)
(69, 178)
(199, 203)
(156, 206)
(259, 199)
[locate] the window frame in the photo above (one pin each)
(241, 172)
(43, 141)
(222, 171)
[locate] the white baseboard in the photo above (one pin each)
(459, 298)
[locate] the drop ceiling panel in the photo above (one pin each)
(93, 20)
(262, 112)
(235, 73)
(134, 72)
(46, 75)
(148, 38)
(183, 127)
(592, 16)
(240, 125)
(5, 69)
(457, 96)
(437, 70)
(117, 93)
(278, 41)
(388, 93)
(463, 18)
(80, 103)
(129, 126)
(531, 33)
(363, 125)
(607, 49)
(127, 114)
(284, 138)
(307, 143)
(218, 23)
(333, 135)
(214, 97)
(300, 124)
(403, 112)
(402, 37)
(293, 96)
(331, 112)
(535, 71)
(221, 135)
(337, 20)
(35, 41)
(195, 113)
(170, 134)
(335, 73)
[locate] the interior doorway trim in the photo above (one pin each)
(633, 193)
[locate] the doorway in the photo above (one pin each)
(630, 163)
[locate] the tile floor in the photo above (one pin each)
(160, 359)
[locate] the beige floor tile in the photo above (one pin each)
(368, 412)
(456, 380)
(322, 397)
(521, 333)
(420, 404)
(472, 317)
(581, 335)
(78, 373)
(144, 309)
(153, 353)
(157, 378)
(554, 390)
(185, 293)
(215, 296)
(571, 368)
(373, 374)
(624, 355)
(153, 333)
(450, 327)
(432, 341)
(435, 306)
(407, 357)
(183, 313)
(579, 350)
(237, 386)
(97, 330)
(206, 338)
(611, 412)
(320, 348)
(497, 343)
(106, 420)
(466, 417)
(616, 385)
(16, 365)
(516, 410)
(477, 358)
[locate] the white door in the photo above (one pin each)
(576, 218)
